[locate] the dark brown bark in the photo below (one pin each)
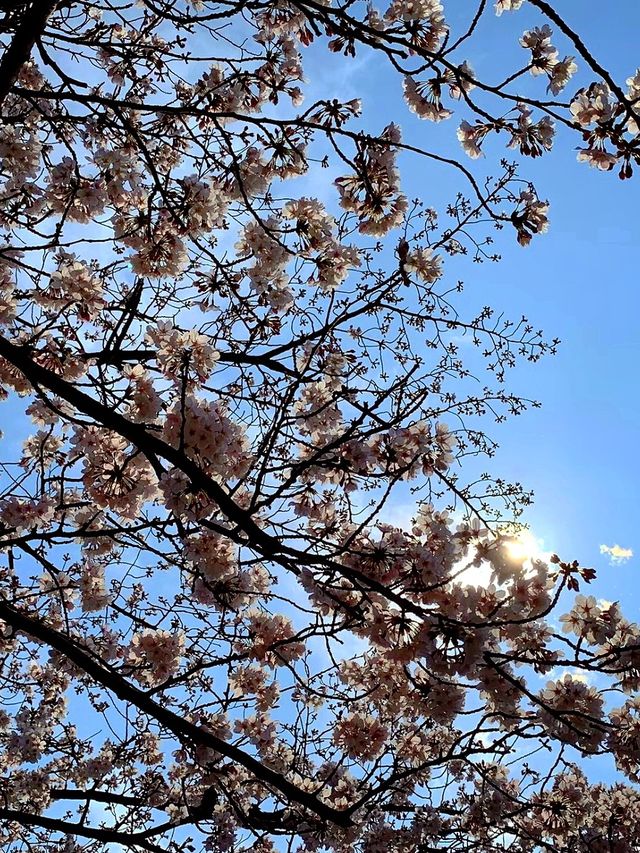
(27, 33)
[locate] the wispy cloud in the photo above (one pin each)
(616, 553)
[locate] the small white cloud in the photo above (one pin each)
(558, 673)
(616, 553)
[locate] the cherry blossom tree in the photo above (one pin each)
(213, 636)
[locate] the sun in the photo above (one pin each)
(525, 546)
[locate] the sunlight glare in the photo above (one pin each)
(525, 546)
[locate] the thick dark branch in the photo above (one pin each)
(96, 796)
(106, 835)
(28, 31)
(155, 448)
(148, 443)
(118, 356)
(184, 730)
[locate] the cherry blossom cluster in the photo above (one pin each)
(206, 433)
(154, 655)
(372, 193)
(544, 58)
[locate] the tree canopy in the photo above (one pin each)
(216, 384)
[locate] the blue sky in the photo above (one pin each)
(578, 282)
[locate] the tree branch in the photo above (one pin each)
(28, 31)
(182, 728)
